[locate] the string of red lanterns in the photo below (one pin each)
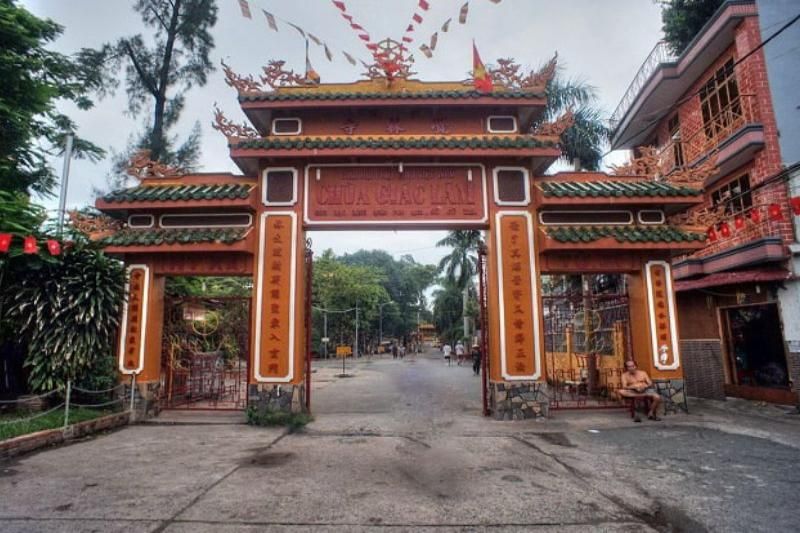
(29, 244)
(774, 213)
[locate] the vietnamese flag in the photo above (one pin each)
(482, 78)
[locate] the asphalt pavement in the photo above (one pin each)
(400, 445)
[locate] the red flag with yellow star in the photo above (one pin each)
(481, 77)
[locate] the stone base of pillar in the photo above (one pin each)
(518, 400)
(286, 398)
(146, 402)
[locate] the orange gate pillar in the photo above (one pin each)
(516, 377)
(139, 354)
(277, 370)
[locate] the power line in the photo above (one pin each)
(662, 112)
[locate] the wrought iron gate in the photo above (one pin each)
(483, 305)
(587, 340)
(205, 353)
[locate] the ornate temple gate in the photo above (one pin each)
(395, 153)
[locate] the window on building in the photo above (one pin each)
(734, 195)
(280, 186)
(674, 127)
(286, 126)
(719, 102)
(501, 124)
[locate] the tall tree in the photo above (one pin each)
(34, 79)
(161, 68)
(586, 139)
(461, 264)
(683, 19)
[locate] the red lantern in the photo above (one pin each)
(738, 222)
(755, 215)
(29, 246)
(54, 247)
(5, 242)
(795, 205)
(725, 230)
(775, 212)
(711, 234)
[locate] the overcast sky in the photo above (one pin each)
(601, 41)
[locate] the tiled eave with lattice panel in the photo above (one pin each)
(599, 189)
(259, 107)
(542, 149)
(188, 192)
(632, 237)
(160, 240)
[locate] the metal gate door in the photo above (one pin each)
(587, 340)
(205, 353)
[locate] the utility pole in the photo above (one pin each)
(325, 333)
(62, 199)
(355, 350)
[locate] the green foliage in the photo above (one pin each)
(269, 418)
(203, 286)
(586, 139)
(404, 282)
(448, 311)
(461, 264)
(51, 420)
(160, 69)
(683, 19)
(34, 79)
(66, 312)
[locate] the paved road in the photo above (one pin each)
(401, 446)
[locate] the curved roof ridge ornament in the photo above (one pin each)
(508, 74)
(232, 131)
(140, 166)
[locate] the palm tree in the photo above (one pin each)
(586, 139)
(461, 265)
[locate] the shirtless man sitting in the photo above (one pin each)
(636, 384)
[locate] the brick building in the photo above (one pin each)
(728, 110)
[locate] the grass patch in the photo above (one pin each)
(268, 417)
(10, 429)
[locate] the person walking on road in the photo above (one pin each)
(447, 350)
(460, 352)
(394, 351)
(476, 360)
(402, 351)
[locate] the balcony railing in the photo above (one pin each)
(702, 138)
(659, 55)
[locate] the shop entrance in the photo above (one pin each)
(756, 357)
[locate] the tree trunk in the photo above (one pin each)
(157, 144)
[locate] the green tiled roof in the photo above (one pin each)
(410, 95)
(167, 193)
(155, 237)
(458, 143)
(583, 189)
(622, 234)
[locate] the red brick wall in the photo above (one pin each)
(751, 76)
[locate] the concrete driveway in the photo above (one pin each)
(401, 446)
